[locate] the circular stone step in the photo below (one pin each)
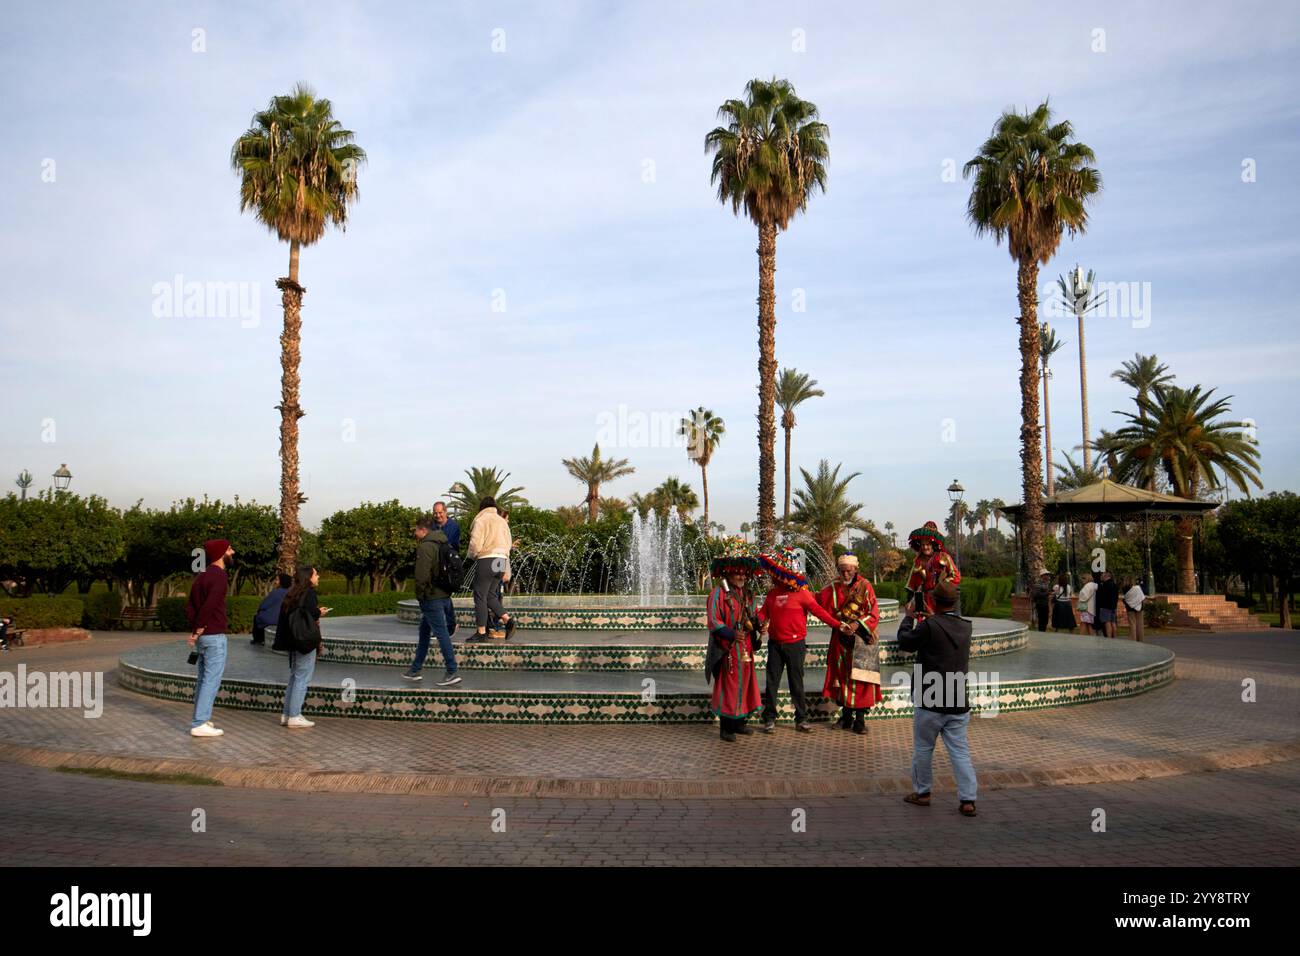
(539, 614)
(381, 640)
(1053, 671)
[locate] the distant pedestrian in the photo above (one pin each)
(1107, 604)
(297, 631)
(447, 525)
(1062, 612)
(1042, 598)
(1087, 604)
(433, 592)
(785, 610)
(268, 612)
(1134, 598)
(942, 646)
(489, 549)
(206, 612)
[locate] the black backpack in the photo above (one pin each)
(450, 569)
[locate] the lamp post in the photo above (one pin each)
(62, 478)
(955, 493)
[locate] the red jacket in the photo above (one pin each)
(787, 612)
(207, 604)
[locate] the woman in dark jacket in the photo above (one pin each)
(299, 602)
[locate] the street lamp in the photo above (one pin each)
(955, 492)
(62, 478)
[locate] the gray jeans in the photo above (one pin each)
(487, 589)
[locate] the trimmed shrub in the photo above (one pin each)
(171, 614)
(353, 605)
(102, 610)
(1157, 613)
(889, 589)
(43, 611)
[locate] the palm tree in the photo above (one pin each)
(793, 388)
(483, 483)
(1031, 184)
(823, 509)
(1074, 475)
(982, 511)
(673, 493)
(23, 481)
(703, 432)
(594, 472)
(1048, 345)
(956, 515)
(889, 528)
(972, 520)
(642, 504)
(613, 506)
(1181, 432)
(1080, 296)
(298, 173)
(997, 504)
(1142, 374)
(745, 529)
(769, 158)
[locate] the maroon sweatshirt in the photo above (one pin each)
(207, 605)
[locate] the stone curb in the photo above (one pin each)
(333, 781)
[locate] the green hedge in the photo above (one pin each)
(241, 610)
(982, 594)
(102, 610)
(352, 605)
(42, 611)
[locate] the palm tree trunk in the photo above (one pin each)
(766, 383)
(1083, 393)
(291, 294)
(1030, 448)
(1047, 431)
(1184, 529)
(593, 503)
(786, 516)
(704, 477)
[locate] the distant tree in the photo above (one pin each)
(370, 541)
(50, 541)
(24, 481)
(484, 482)
(1259, 537)
(703, 432)
(793, 388)
(823, 509)
(675, 494)
(594, 471)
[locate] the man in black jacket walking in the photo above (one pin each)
(942, 646)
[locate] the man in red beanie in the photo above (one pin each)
(206, 611)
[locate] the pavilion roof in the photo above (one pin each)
(1110, 499)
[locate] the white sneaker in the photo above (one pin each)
(296, 722)
(205, 730)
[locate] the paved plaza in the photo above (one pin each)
(1188, 773)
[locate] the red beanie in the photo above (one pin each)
(215, 549)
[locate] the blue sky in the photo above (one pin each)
(522, 178)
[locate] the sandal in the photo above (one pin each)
(967, 808)
(917, 799)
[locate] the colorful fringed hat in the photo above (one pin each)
(736, 556)
(783, 564)
(931, 532)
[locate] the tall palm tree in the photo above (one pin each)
(997, 504)
(1081, 297)
(298, 174)
(1142, 374)
(593, 472)
(769, 157)
(793, 388)
(483, 483)
(823, 509)
(972, 521)
(1031, 184)
(1048, 345)
(745, 529)
(889, 529)
(983, 509)
(1181, 432)
(673, 493)
(23, 481)
(703, 432)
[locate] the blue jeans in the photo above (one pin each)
(433, 620)
(927, 725)
(301, 667)
(211, 665)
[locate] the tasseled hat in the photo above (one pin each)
(929, 531)
(736, 556)
(783, 564)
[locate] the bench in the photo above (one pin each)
(139, 615)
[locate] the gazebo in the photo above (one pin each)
(1106, 500)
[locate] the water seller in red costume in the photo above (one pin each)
(786, 611)
(734, 637)
(933, 564)
(853, 657)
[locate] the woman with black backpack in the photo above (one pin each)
(298, 632)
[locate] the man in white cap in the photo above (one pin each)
(853, 657)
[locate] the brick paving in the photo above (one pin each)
(1197, 723)
(1234, 818)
